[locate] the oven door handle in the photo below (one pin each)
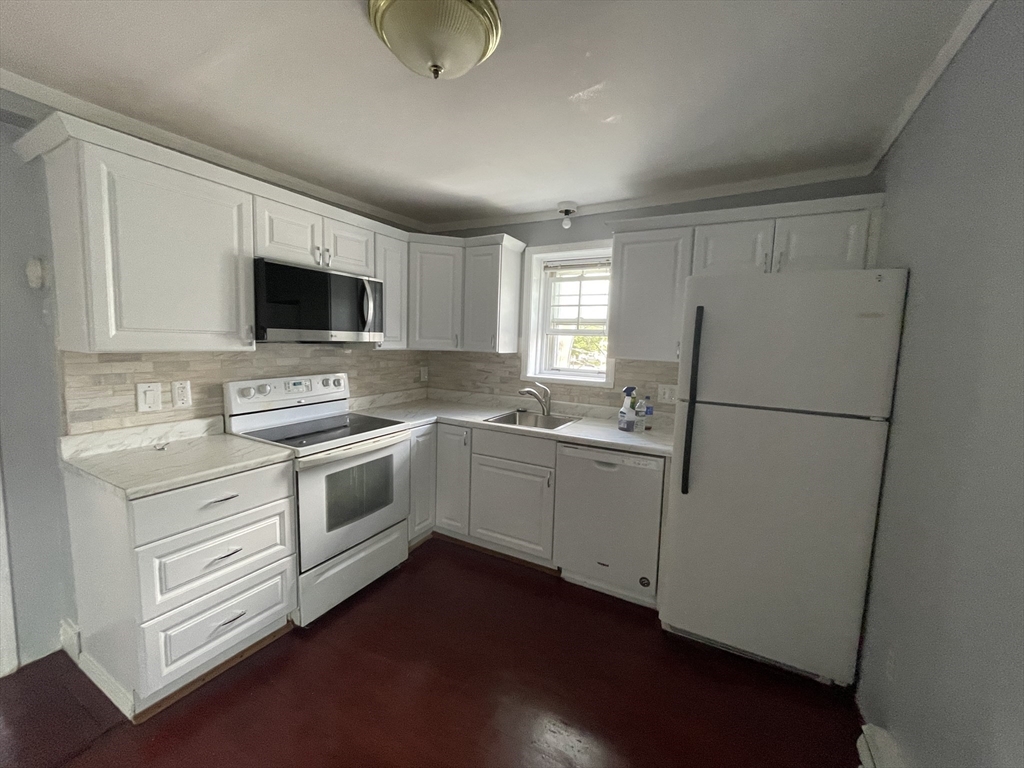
(349, 451)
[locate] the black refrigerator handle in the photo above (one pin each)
(691, 405)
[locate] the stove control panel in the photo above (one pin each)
(266, 394)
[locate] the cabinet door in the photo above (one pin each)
(513, 505)
(423, 468)
(392, 266)
(480, 310)
(169, 258)
(649, 271)
(453, 465)
(348, 248)
(741, 246)
(286, 233)
(825, 241)
(435, 296)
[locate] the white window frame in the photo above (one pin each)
(534, 313)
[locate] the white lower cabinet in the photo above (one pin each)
(171, 585)
(423, 481)
(513, 505)
(454, 454)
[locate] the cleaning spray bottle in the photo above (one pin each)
(627, 413)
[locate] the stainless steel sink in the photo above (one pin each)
(529, 419)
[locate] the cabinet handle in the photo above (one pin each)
(691, 405)
(230, 621)
(232, 553)
(328, 256)
(679, 347)
(549, 479)
(316, 255)
(221, 500)
(493, 340)
(456, 341)
(777, 264)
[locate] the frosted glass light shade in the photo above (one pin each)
(437, 38)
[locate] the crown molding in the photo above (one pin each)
(72, 105)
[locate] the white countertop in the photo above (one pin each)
(601, 433)
(144, 471)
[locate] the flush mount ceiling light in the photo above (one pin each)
(437, 38)
(567, 208)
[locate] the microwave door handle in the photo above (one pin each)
(370, 304)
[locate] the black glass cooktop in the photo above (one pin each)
(318, 431)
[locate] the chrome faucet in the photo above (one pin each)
(543, 399)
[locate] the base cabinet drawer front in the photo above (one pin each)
(183, 639)
(513, 504)
(502, 445)
(166, 514)
(178, 569)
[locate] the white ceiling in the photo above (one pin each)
(590, 100)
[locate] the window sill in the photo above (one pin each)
(571, 381)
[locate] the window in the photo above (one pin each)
(567, 333)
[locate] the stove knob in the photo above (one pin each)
(326, 382)
(263, 389)
(337, 382)
(246, 392)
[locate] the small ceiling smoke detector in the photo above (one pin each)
(567, 208)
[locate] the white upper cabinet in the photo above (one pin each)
(147, 258)
(742, 246)
(491, 306)
(307, 239)
(435, 296)
(824, 241)
(287, 233)
(392, 266)
(348, 248)
(649, 271)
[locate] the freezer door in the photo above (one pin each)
(768, 552)
(812, 341)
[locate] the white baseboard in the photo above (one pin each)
(598, 586)
(878, 749)
(123, 699)
(70, 638)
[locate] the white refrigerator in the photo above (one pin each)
(785, 389)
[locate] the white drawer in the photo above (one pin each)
(166, 514)
(502, 445)
(178, 569)
(186, 638)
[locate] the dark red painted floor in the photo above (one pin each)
(461, 659)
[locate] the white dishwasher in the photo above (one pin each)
(608, 520)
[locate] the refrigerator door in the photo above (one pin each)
(769, 550)
(811, 341)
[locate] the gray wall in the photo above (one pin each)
(30, 414)
(594, 227)
(943, 665)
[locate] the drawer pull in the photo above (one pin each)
(221, 500)
(232, 553)
(228, 622)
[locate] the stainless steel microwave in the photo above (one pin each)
(302, 304)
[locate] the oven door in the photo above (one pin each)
(350, 494)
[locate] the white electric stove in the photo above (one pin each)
(351, 480)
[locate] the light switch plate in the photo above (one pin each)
(148, 396)
(181, 394)
(424, 373)
(667, 393)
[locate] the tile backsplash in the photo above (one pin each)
(99, 390)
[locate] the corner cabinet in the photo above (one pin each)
(454, 456)
(423, 481)
(435, 296)
(491, 306)
(133, 240)
(392, 267)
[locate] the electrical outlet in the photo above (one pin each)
(181, 394)
(667, 393)
(424, 373)
(148, 396)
